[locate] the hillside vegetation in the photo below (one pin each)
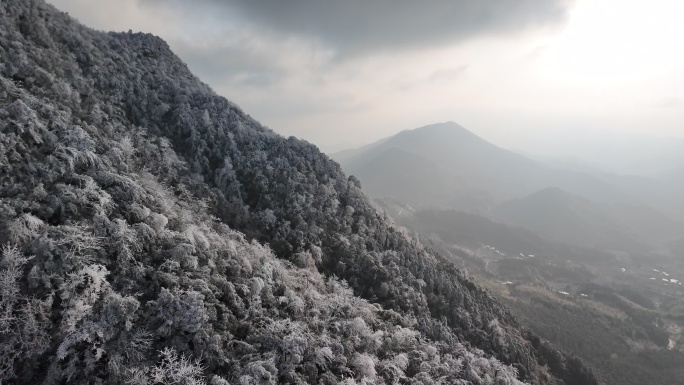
(153, 232)
(620, 312)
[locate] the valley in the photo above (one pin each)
(152, 231)
(600, 278)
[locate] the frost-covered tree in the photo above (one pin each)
(153, 232)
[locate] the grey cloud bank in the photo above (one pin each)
(363, 26)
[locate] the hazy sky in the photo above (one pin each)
(527, 74)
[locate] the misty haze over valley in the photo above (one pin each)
(568, 245)
(265, 192)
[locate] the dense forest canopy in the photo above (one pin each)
(153, 232)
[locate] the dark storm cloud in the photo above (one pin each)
(262, 43)
(367, 25)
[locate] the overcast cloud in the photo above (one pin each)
(354, 26)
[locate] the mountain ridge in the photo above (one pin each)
(479, 162)
(136, 204)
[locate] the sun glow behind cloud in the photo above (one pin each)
(613, 42)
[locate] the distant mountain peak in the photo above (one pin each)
(441, 131)
(448, 125)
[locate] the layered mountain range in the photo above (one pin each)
(485, 169)
(153, 232)
(591, 260)
(451, 168)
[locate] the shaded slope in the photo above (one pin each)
(473, 231)
(407, 177)
(96, 125)
(569, 218)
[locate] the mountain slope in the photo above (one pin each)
(125, 181)
(473, 231)
(569, 218)
(660, 191)
(482, 165)
(409, 178)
